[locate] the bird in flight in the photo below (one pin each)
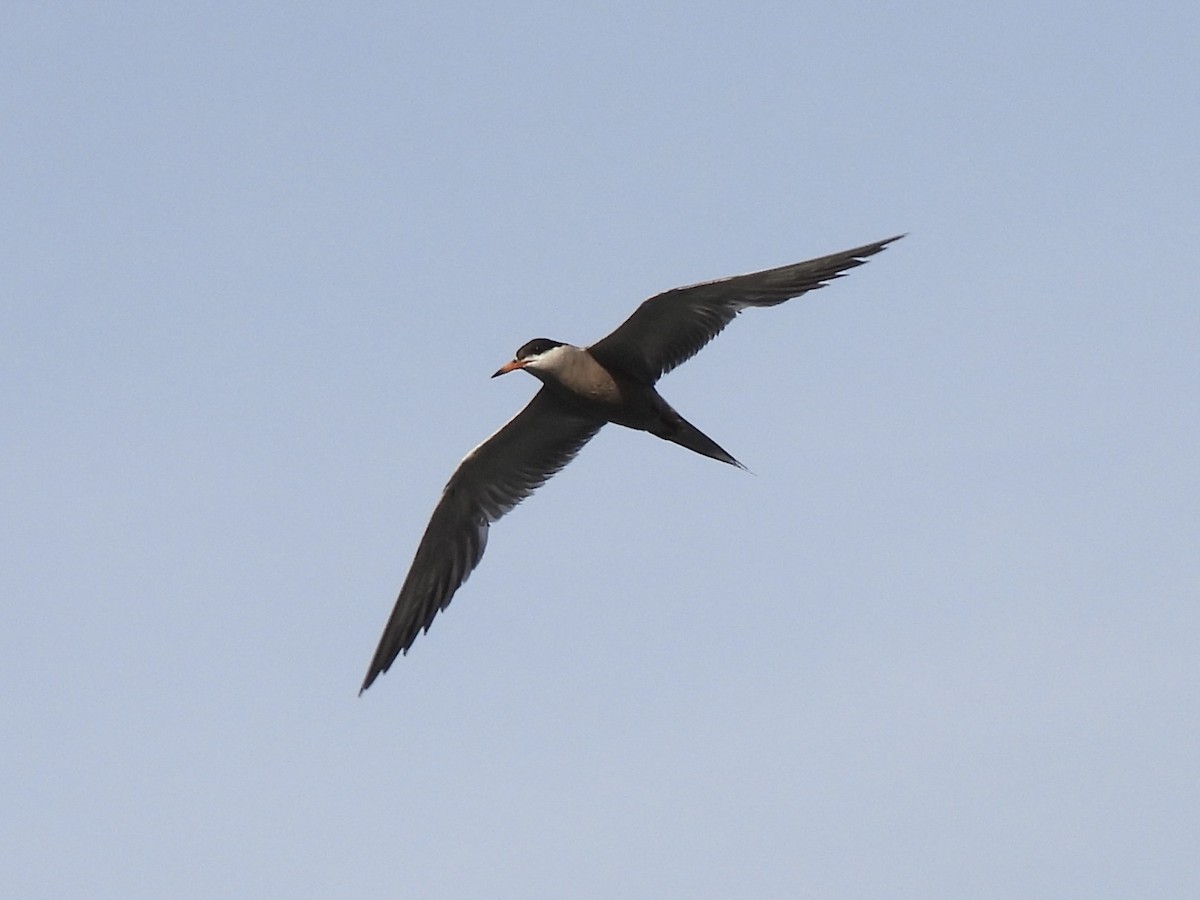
(583, 388)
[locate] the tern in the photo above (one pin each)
(583, 389)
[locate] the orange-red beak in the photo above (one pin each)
(509, 367)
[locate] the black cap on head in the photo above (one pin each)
(536, 347)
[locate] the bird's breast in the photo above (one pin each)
(588, 381)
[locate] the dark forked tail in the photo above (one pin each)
(682, 432)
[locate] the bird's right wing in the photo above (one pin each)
(490, 481)
(671, 327)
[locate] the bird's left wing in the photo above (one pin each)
(671, 327)
(490, 481)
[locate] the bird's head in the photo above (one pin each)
(533, 355)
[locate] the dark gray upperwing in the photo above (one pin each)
(490, 481)
(672, 327)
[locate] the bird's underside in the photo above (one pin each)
(583, 389)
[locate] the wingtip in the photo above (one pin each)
(871, 249)
(372, 674)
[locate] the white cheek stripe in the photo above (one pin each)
(550, 359)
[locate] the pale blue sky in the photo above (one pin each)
(257, 265)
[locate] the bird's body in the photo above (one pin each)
(583, 389)
(575, 376)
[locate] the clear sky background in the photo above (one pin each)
(257, 264)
